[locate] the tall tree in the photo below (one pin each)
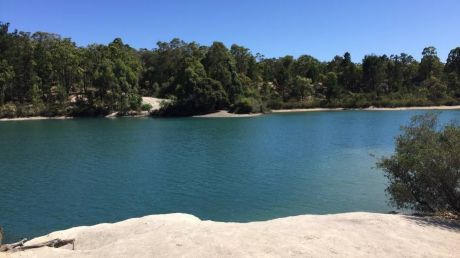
(245, 62)
(6, 79)
(430, 65)
(348, 75)
(220, 66)
(374, 73)
(283, 76)
(307, 67)
(452, 69)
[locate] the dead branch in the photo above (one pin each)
(19, 246)
(9, 247)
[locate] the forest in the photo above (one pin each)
(43, 74)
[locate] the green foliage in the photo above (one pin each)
(348, 74)
(302, 88)
(8, 110)
(307, 67)
(453, 61)
(245, 62)
(135, 101)
(34, 94)
(6, 79)
(374, 73)
(220, 66)
(246, 105)
(331, 84)
(243, 106)
(424, 172)
(43, 73)
(435, 87)
(146, 107)
(197, 94)
(430, 66)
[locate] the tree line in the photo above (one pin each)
(45, 74)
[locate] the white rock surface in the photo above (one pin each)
(340, 235)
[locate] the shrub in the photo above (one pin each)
(146, 107)
(246, 105)
(275, 103)
(30, 110)
(424, 172)
(243, 106)
(135, 102)
(8, 110)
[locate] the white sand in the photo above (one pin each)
(36, 118)
(179, 235)
(365, 109)
(415, 108)
(225, 113)
(305, 110)
(154, 102)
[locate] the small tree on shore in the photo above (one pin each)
(424, 171)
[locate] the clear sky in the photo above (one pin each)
(271, 27)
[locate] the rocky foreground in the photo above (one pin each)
(180, 235)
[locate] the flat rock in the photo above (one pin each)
(341, 235)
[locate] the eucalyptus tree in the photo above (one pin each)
(220, 66)
(6, 79)
(348, 76)
(245, 62)
(430, 65)
(374, 77)
(307, 67)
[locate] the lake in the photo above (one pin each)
(57, 174)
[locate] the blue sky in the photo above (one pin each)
(271, 27)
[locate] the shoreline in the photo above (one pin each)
(31, 118)
(226, 114)
(366, 109)
(155, 104)
(355, 234)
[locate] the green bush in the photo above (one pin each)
(275, 103)
(243, 106)
(8, 110)
(424, 172)
(146, 107)
(135, 102)
(246, 105)
(31, 110)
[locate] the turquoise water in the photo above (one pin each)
(60, 174)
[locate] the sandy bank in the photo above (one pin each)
(36, 118)
(341, 235)
(415, 108)
(154, 102)
(305, 110)
(224, 113)
(365, 109)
